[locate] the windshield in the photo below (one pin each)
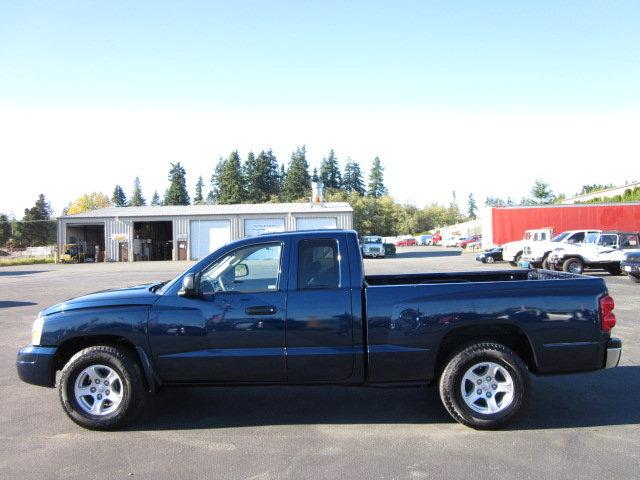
(559, 238)
(372, 240)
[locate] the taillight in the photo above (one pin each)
(607, 318)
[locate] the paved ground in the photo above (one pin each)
(578, 426)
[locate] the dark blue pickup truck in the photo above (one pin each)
(296, 308)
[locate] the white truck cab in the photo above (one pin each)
(603, 250)
(535, 253)
(372, 246)
(512, 251)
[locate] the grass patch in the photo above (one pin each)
(9, 262)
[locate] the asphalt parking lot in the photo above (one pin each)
(577, 426)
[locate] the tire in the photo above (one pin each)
(614, 270)
(546, 265)
(634, 278)
(468, 363)
(573, 265)
(119, 404)
(490, 260)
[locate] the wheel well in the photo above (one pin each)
(508, 335)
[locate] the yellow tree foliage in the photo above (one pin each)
(88, 201)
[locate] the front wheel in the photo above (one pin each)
(101, 387)
(485, 385)
(573, 265)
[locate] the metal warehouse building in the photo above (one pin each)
(189, 232)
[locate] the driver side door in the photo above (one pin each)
(234, 331)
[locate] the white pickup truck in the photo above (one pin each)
(372, 246)
(512, 251)
(603, 250)
(535, 254)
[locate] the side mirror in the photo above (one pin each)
(241, 270)
(188, 286)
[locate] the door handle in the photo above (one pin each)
(261, 310)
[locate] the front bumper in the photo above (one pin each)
(35, 365)
(614, 351)
(630, 268)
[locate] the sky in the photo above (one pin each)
(476, 97)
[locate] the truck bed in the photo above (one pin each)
(467, 277)
(409, 316)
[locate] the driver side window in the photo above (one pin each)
(255, 268)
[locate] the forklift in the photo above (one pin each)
(72, 253)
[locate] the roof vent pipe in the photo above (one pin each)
(317, 194)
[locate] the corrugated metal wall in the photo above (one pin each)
(121, 229)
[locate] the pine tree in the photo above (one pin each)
(155, 200)
(5, 229)
(376, 180)
(119, 199)
(231, 181)
(36, 229)
(261, 176)
(330, 171)
(352, 179)
(472, 207)
(198, 199)
(315, 177)
(177, 193)
(297, 183)
(214, 193)
(137, 200)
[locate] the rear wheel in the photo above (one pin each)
(614, 270)
(573, 265)
(101, 387)
(490, 259)
(634, 278)
(546, 265)
(485, 385)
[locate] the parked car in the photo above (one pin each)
(425, 240)
(451, 241)
(631, 265)
(602, 250)
(372, 246)
(296, 308)
(468, 240)
(406, 242)
(490, 256)
(389, 250)
(535, 254)
(512, 251)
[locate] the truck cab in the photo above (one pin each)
(373, 246)
(512, 251)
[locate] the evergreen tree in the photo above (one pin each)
(214, 193)
(5, 229)
(541, 192)
(36, 228)
(177, 193)
(137, 200)
(261, 176)
(119, 199)
(297, 183)
(231, 181)
(315, 177)
(198, 199)
(330, 171)
(352, 179)
(472, 207)
(282, 177)
(376, 186)
(155, 200)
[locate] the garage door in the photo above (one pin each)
(207, 236)
(316, 223)
(258, 226)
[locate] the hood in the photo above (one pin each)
(138, 295)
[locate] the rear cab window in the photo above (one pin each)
(318, 264)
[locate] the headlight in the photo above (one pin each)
(36, 330)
